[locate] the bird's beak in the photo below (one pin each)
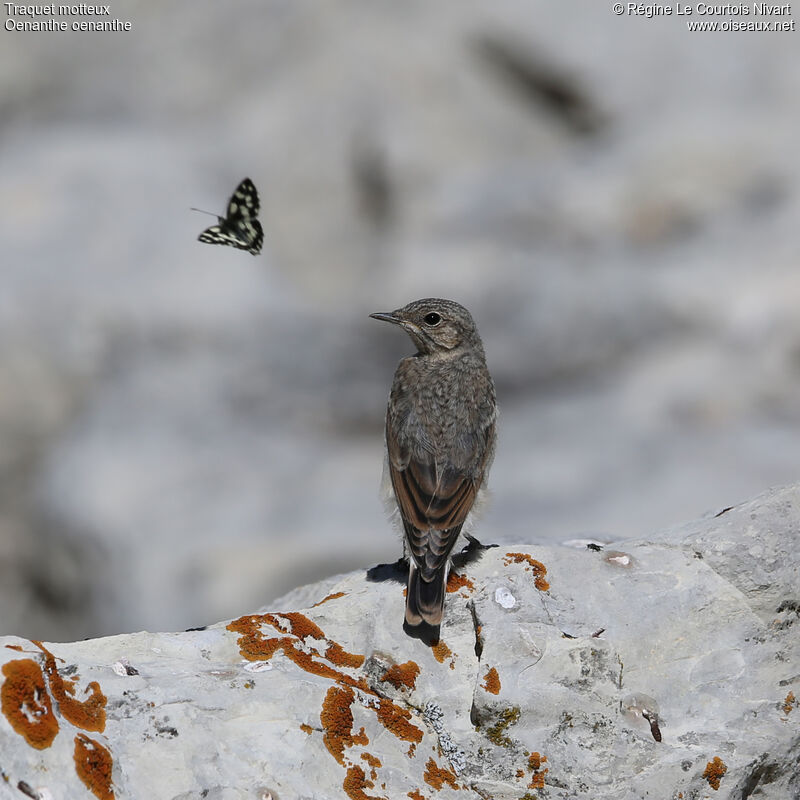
(387, 317)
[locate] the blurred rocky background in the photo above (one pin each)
(187, 432)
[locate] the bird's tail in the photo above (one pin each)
(425, 595)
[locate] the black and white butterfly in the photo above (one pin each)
(239, 227)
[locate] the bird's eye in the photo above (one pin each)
(432, 319)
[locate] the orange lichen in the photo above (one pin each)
(416, 795)
(93, 764)
(374, 764)
(535, 761)
(300, 625)
(437, 776)
(412, 750)
(306, 729)
(456, 582)
(26, 705)
(538, 569)
(89, 714)
(492, 681)
(714, 771)
(304, 643)
(255, 646)
(520, 773)
(789, 703)
(355, 781)
(336, 654)
(329, 597)
(337, 722)
(373, 761)
(441, 651)
(17, 647)
(400, 675)
(396, 720)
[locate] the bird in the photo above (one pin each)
(440, 441)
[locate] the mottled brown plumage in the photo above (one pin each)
(440, 438)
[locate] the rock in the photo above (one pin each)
(654, 668)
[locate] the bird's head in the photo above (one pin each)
(435, 326)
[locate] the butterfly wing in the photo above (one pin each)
(240, 228)
(241, 234)
(244, 200)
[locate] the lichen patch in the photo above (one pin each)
(304, 636)
(374, 764)
(497, 733)
(396, 720)
(402, 675)
(304, 643)
(456, 582)
(89, 714)
(714, 772)
(26, 705)
(441, 651)
(538, 569)
(355, 782)
(535, 761)
(491, 682)
(336, 718)
(437, 776)
(93, 763)
(333, 596)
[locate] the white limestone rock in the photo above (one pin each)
(664, 668)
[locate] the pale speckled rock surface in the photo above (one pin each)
(545, 685)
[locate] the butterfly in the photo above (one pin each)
(239, 227)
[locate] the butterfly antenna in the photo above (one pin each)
(203, 212)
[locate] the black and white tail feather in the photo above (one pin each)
(239, 227)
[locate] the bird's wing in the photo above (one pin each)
(434, 498)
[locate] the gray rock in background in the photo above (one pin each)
(184, 429)
(664, 667)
